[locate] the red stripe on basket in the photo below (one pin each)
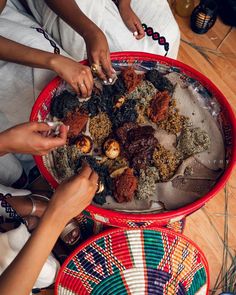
(125, 256)
(73, 284)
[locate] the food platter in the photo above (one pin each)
(173, 130)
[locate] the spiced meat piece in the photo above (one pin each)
(125, 186)
(131, 79)
(144, 143)
(158, 107)
(77, 122)
(140, 132)
(139, 146)
(141, 152)
(122, 131)
(141, 160)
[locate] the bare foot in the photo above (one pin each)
(31, 222)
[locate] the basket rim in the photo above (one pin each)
(117, 230)
(187, 209)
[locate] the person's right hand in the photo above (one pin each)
(99, 54)
(29, 138)
(75, 194)
(77, 75)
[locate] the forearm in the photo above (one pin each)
(24, 270)
(2, 5)
(124, 3)
(3, 144)
(14, 52)
(70, 12)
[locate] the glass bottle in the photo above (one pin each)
(184, 8)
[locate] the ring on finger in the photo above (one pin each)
(100, 187)
(94, 68)
(81, 85)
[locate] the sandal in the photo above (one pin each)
(72, 230)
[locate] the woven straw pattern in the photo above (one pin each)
(134, 262)
(89, 227)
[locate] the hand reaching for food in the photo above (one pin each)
(99, 55)
(30, 138)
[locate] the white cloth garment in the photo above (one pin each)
(13, 192)
(19, 85)
(12, 242)
(104, 13)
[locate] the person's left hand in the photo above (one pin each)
(30, 138)
(132, 21)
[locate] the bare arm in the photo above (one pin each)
(68, 201)
(70, 12)
(96, 43)
(124, 2)
(18, 53)
(2, 5)
(72, 72)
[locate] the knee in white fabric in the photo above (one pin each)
(12, 242)
(10, 169)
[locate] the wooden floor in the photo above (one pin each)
(206, 226)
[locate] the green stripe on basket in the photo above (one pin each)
(153, 248)
(71, 265)
(199, 280)
(101, 243)
(86, 213)
(112, 285)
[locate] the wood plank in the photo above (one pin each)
(206, 226)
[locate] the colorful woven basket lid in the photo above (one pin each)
(150, 261)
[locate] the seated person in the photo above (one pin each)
(66, 203)
(21, 204)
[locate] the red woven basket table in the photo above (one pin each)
(228, 122)
(137, 262)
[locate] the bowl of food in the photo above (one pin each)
(161, 139)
